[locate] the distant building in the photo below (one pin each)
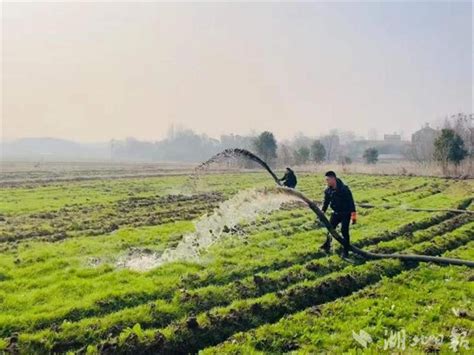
(422, 143)
(426, 134)
(392, 138)
(392, 147)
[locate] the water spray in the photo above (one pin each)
(231, 153)
(245, 206)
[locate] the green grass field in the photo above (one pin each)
(265, 289)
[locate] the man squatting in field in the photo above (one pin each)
(339, 197)
(289, 179)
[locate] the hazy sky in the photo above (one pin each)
(96, 71)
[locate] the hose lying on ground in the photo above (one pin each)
(313, 206)
(367, 254)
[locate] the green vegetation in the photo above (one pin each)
(318, 152)
(423, 306)
(371, 155)
(302, 155)
(265, 287)
(449, 148)
(266, 146)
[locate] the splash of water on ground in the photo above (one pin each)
(245, 206)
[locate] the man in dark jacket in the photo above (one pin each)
(289, 179)
(339, 197)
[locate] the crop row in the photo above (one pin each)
(105, 218)
(190, 302)
(213, 327)
(209, 276)
(301, 250)
(425, 303)
(99, 218)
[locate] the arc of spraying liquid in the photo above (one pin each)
(233, 152)
(314, 207)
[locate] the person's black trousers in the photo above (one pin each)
(345, 220)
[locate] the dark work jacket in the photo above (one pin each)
(289, 179)
(340, 199)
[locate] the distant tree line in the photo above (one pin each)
(450, 146)
(179, 146)
(184, 145)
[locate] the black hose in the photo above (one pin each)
(314, 207)
(367, 254)
(237, 152)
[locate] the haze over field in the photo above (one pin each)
(236, 177)
(96, 71)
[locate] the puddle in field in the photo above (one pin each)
(245, 206)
